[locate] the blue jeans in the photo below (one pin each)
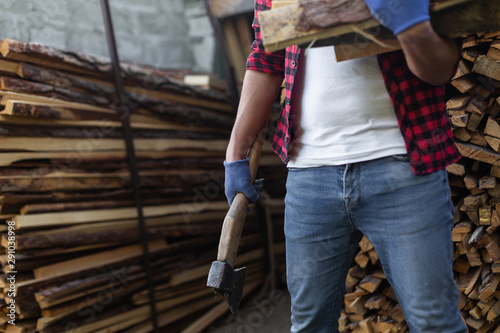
(407, 218)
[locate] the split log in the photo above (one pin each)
(488, 67)
(449, 18)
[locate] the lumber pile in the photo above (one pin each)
(65, 195)
(474, 110)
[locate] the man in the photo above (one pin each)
(366, 142)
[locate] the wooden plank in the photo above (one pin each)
(35, 99)
(101, 144)
(122, 235)
(64, 173)
(44, 220)
(225, 107)
(17, 51)
(25, 86)
(66, 184)
(66, 80)
(80, 287)
(79, 157)
(54, 111)
(10, 67)
(93, 260)
(44, 238)
(69, 119)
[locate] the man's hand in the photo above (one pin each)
(399, 15)
(238, 179)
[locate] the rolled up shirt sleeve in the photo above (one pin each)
(259, 60)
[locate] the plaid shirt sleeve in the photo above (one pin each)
(260, 60)
(420, 110)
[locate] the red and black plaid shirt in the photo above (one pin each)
(419, 106)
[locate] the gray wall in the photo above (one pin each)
(163, 33)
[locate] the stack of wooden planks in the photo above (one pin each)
(474, 110)
(74, 247)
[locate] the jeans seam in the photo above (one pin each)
(347, 200)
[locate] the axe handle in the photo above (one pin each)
(235, 217)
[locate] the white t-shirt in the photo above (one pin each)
(344, 114)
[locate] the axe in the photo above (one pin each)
(223, 278)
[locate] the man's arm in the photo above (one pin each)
(257, 98)
(430, 57)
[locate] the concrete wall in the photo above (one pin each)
(164, 33)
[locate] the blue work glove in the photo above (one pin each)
(238, 179)
(399, 15)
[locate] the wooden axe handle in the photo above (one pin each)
(235, 217)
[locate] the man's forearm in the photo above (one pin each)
(257, 98)
(429, 57)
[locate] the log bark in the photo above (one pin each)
(322, 14)
(100, 67)
(24, 86)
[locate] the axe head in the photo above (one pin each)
(228, 282)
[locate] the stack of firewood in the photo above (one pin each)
(65, 188)
(473, 107)
(473, 180)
